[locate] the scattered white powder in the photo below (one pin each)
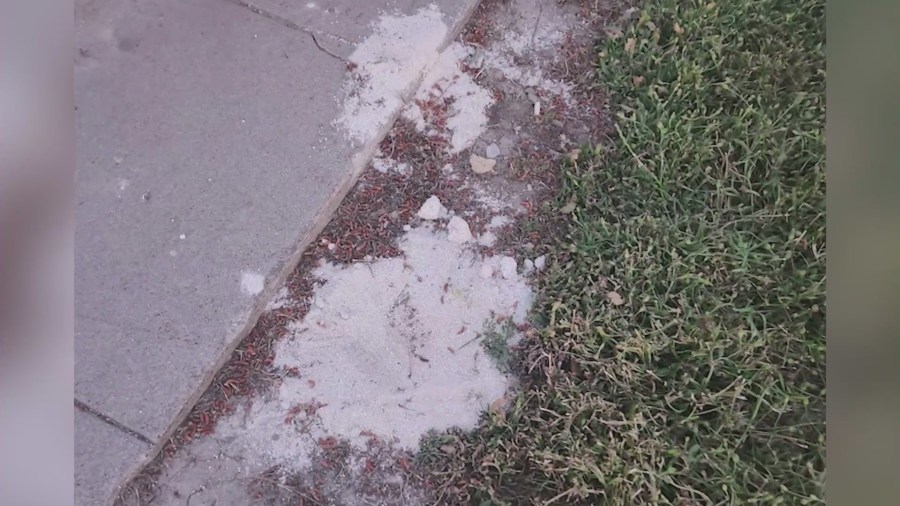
(529, 77)
(545, 35)
(467, 114)
(385, 350)
(282, 299)
(385, 165)
(252, 283)
(498, 221)
(491, 200)
(538, 44)
(389, 62)
(487, 239)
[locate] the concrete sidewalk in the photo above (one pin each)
(207, 159)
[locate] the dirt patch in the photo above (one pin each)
(344, 474)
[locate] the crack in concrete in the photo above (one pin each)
(113, 422)
(294, 26)
(329, 53)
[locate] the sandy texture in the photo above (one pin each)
(390, 61)
(466, 102)
(389, 348)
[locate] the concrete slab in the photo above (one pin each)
(348, 20)
(206, 161)
(203, 155)
(105, 453)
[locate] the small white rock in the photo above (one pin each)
(319, 303)
(481, 165)
(492, 151)
(537, 108)
(407, 228)
(486, 271)
(540, 262)
(508, 267)
(432, 209)
(331, 246)
(447, 169)
(528, 267)
(458, 230)
(182, 237)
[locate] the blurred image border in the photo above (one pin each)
(863, 181)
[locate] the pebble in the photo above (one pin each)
(492, 151)
(508, 267)
(528, 267)
(540, 262)
(481, 165)
(458, 230)
(432, 209)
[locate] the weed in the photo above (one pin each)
(495, 338)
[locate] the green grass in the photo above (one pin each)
(706, 213)
(495, 341)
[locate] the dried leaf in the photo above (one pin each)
(678, 29)
(448, 449)
(574, 154)
(630, 44)
(615, 299)
(637, 80)
(568, 208)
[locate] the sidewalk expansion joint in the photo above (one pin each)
(112, 422)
